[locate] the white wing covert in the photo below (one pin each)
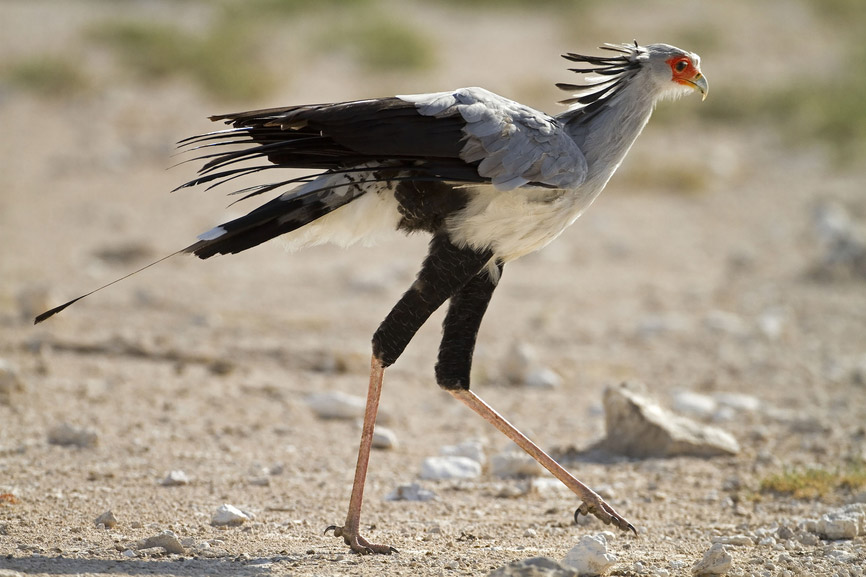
(515, 145)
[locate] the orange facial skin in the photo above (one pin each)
(684, 71)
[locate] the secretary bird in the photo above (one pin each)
(489, 179)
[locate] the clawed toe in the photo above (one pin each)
(606, 513)
(358, 544)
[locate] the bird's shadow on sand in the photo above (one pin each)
(180, 566)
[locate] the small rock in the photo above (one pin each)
(534, 567)
(511, 463)
(175, 478)
(471, 449)
(107, 519)
(336, 405)
(716, 561)
(840, 556)
(735, 540)
(229, 515)
(590, 556)
(10, 382)
(167, 540)
(128, 553)
(444, 468)
(840, 524)
(66, 435)
(522, 367)
(738, 401)
(384, 438)
(638, 427)
(411, 492)
(542, 378)
(784, 533)
(694, 404)
(549, 485)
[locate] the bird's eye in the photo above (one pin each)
(681, 65)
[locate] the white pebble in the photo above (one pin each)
(716, 561)
(128, 553)
(521, 367)
(384, 438)
(229, 515)
(336, 405)
(411, 492)
(740, 402)
(471, 449)
(444, 468)
(590, 556)
(542, 378)
(840, 556)
(694, 404)
(547, 485)
(735, 540)
(66, 435)
(174, 479)
(838, 525)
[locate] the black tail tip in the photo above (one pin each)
(50, 313)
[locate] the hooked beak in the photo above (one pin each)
(699, 83)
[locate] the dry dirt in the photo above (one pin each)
(205, 366)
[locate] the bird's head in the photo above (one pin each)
(676, 71)
(668, 70)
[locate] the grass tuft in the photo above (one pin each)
(816, 483)
(222, 60)
(48, 76)
(381, 45)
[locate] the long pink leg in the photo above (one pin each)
(592, 502)
(349, 531)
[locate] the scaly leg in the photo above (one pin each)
(349, 531)
(445, 270)
(592, 502)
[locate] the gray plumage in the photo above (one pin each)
(522, 175)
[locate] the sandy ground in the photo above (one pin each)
(205, 366)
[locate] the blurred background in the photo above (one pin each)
(728, 254)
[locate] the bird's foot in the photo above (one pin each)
(605, 512)
(358, 544)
